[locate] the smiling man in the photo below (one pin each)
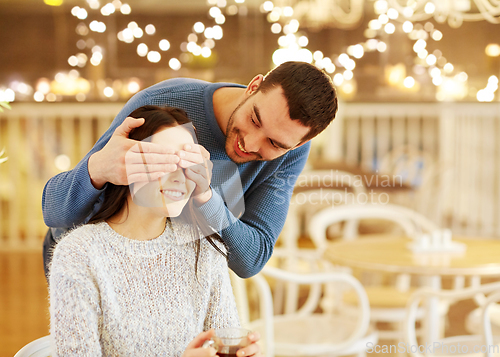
(262, 130)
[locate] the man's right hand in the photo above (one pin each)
(109, 164)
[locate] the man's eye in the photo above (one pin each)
(273, 144)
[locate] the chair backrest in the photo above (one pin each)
(412, 165)
(241, 297)
(410, 221)
(485, 317)
(315, 281)
(333, 179)
(303, 205)
(451, 296)
(316, 190)
(38, 348)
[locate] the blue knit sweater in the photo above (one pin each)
(249, 230)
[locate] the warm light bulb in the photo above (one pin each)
(53, 2)
(492, 50)
(409, 82)
(429, 8)
(407, 26)
(175, 64)
(164, 45)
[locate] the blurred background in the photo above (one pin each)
(419, 110)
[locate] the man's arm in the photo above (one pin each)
(251, 238)
(69, 198)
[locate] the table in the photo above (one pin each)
(390, 254)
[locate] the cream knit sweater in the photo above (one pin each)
(113, 296)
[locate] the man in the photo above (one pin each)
(264, 128)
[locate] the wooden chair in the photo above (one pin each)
(483, 344)
(414, 166)
(38, 348)
(306, 332)
(387, 302)
(473, 319)
(317, 190)
(340, 187)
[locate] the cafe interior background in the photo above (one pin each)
(417, 126)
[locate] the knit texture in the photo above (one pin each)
(114, 296)
(250, 233)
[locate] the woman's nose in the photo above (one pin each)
(177, 176)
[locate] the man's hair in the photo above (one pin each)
(309, 92)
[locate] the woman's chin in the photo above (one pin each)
(172, 210)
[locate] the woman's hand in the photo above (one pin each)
(194, 348)
(253, 349)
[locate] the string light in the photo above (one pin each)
(125, 9)
(175, 64)
(492, 50)
(164, 45)
(142, 49)
(150, 29)
(409, 82)
(108, 92)
(154, 56)
(292, 41)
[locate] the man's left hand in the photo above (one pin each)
(195, 159)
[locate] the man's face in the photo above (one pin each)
(260, 128)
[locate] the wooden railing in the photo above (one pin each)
(463, 190)
(42, 139)
(34, 137)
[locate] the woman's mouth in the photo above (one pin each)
(173, 194)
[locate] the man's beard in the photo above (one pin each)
(232, 135)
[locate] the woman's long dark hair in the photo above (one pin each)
(115, 196)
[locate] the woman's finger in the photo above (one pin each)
(198, 340)
(250, 350)
(200, 352)
(253, 349)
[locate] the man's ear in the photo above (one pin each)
(254, 84)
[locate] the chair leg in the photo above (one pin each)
(361, 353)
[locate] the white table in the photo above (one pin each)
(390, 254)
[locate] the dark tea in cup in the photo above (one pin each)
(227, 341)
(229, 352)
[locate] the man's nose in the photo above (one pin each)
(253, 142)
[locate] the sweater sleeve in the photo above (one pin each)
(74, 305)
(222, 311)
(250, 239)
(69, 198)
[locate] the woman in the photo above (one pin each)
(133, 282)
